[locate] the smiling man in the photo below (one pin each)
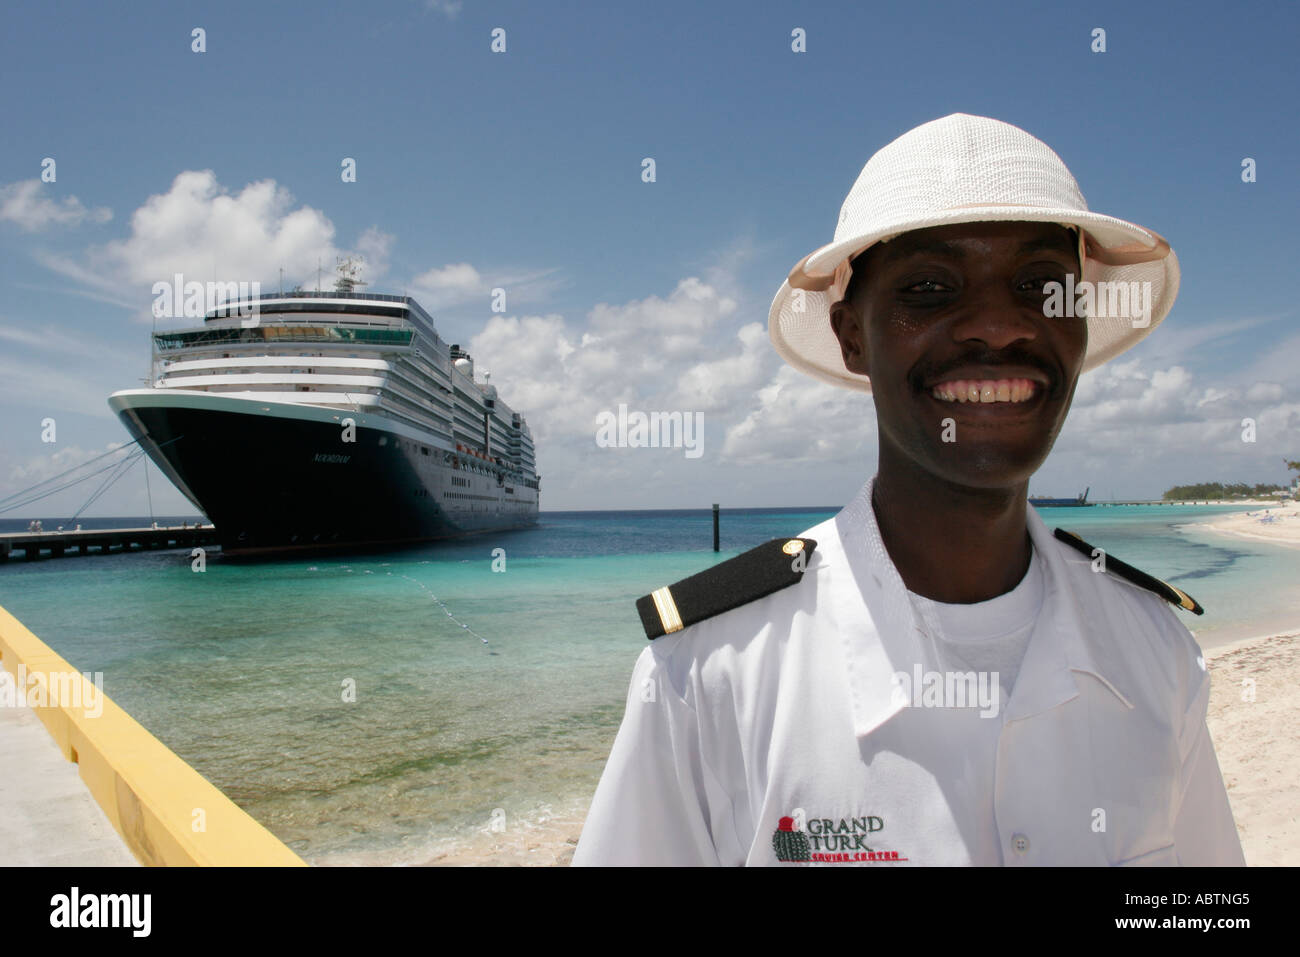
(932, 677)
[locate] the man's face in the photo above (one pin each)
(964, 304)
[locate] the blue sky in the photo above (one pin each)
(523, 170)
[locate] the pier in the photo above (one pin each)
(1198, 501)
(163, 811)
(103, 541)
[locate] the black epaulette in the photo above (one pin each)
(727, 585)
(1138, 577)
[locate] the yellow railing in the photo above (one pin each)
(165, 811)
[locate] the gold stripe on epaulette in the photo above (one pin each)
(667, 608)
(1184, 599)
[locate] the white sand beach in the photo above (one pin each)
(1253, 716)
(1254, 713)
(1276, 523)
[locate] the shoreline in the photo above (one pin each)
(1258, 757)
(1277, 523)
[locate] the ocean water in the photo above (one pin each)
(482, 698)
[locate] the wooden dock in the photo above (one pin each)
(103, 541)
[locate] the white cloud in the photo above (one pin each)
(1145, 429)
(36, 469)
(455, 284)
(87, 468)
(454, 277)
(684, 353)
(373, 247)
(26, 204)
(654, 354)
(1264, 392)
(724, 383)
(796, 419)
(198, 227)
(204, 231)
(449, 7)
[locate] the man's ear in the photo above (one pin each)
(847, 326)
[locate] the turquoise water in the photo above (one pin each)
(509, 706)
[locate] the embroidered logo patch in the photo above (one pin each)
(828, 841)
(789, 844)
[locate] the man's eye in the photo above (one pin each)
(1038, 282)
(926, 285)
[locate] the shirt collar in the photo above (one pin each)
(882, 636)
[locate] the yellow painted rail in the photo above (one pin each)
(167, 813)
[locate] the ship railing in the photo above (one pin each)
(188, 339)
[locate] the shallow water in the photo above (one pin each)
(485, 702)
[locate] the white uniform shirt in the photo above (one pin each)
(779, 731)
(989, 635)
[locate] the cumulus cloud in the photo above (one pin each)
(34, 470)
(205, 231)
(646, 351)
(716, 385)
(454, 284)
(373, 248)
(28, 204)
(446, 285)
(1137, 425)
(684, 352)
(796, 419)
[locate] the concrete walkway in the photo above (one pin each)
(47, 816)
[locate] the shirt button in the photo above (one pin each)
(1019, 843)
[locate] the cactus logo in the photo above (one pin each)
(827, 841)
(789, 844)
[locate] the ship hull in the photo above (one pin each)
(279, 477)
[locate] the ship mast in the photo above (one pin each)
(349, 269)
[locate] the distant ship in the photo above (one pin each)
(333, 420)
(1063, 502)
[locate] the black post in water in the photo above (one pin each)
(715, 526)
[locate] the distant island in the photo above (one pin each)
(1217, 490)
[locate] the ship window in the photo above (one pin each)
(424, 450)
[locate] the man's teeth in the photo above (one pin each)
(986, 390)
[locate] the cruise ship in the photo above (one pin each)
(331, 420)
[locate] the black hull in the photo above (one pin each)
(276, 484)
